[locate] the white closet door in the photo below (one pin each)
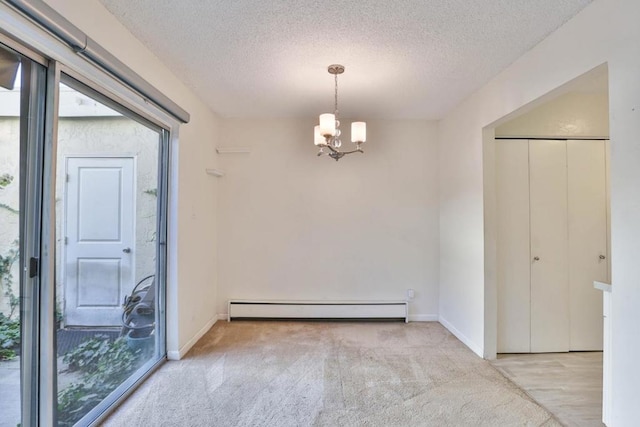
(549, 246)
(513, 274)
(587, 241)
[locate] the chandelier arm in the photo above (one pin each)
(357, 150)
(332, 149)
(342, 153)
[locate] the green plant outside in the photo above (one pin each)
(6, 277)
(9, 327)
(5, 180)
(103, 365)
(9, 337)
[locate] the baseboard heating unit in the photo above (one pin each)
(343, 310)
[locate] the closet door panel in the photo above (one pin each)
(588, 256)
(549, 246)
(513, 274)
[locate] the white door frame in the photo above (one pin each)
(64, 211)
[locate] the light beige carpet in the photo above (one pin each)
(329, 374)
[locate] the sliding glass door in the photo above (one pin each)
(10, 236)
(108, 178)
(21, 128)
(83, 191)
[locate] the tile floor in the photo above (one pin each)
(569, 385)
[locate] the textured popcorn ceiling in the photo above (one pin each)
(404, 59)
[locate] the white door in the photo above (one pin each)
(514, 266)
(550, 327)
(588, 259)
(99, 239)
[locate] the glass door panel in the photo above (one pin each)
(107, 253)
(21, 135)
(10, 333)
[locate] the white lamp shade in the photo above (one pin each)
(327, 124)
(358, 132)
(317, 138)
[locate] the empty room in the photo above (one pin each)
(301, 213)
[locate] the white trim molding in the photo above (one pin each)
(290, 309)
(466, 341)
(179, 354)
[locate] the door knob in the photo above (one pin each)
(536, 258)
(126, 250)
(603, 257)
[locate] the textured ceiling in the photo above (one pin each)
(404, 59)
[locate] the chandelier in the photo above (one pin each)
(327, 133)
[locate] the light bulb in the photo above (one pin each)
(327, 124)
(317, 138)
(358, 132)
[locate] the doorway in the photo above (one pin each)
(577, 111)
(551, 197)
(99, 239)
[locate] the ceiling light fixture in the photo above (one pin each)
(327, 133)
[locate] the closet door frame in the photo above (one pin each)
(541, 298)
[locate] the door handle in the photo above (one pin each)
(603, 257)
(126, 250)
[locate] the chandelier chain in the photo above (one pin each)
(335, 105)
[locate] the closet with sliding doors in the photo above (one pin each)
(552, 221)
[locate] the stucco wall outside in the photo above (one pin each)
(90, 137)
(9, 200)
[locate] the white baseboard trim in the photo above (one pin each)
(412, 317)
(177, 355)
(324, 309)
(423, 318)
(466, 341)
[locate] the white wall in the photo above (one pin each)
(606, 31)
(572, 115)
(295, 226)
(192, 300)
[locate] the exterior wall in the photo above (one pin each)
(605, 32)
(295, 226)
(10, 200)
(91, 136)
(109, 136)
